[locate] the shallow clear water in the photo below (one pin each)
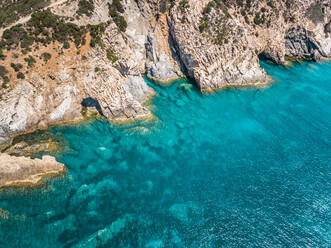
(240, 168)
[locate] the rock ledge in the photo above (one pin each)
(27, 172)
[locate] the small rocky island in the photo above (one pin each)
(26, 172)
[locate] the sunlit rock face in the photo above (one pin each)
(25, 172)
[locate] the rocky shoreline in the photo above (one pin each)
(216, 43)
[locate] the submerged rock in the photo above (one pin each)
(23, 171)
(101, 237)
(187, 213)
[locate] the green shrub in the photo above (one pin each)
(10, 11)
(203, 25)
(221, 36)
(209, 7)
(259, 19)
(20, 75)
(2, 56)
(16, 67)
(3, 75)
(84, 57)
(111, 55)
(3, 71)
(30, 61)
(46, 56)
(4, 85)
(115, 8)
(96, 32)
(96, 69)
(183, 5)
(85, 7)
(118, 6)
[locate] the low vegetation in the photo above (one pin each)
(3, 75)
(46, 56)
(115, 10)
(85, 7)
(30, 61)
(17, 67)
(20, 75)
(111, 55)
(12, 10)
(96, 32)
(216, 28)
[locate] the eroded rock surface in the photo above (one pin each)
(23, 171)
(220, 44)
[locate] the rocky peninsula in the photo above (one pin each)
(59, 57)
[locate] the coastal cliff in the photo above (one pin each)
(63, 56)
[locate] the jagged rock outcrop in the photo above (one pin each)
(302, 43)
(26, 172)
(228, 56)
(218, 43)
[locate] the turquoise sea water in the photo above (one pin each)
(240, 168)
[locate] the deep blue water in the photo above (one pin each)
(238, 168)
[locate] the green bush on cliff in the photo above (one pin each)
(85, 7)
(111, 55)
(259, 18)
(16, 67)
(3, 75)
(183, 5)
(52, 28)
(115, 8)
(96, 32)
(3, 71)
(46, 56)
(20, 75)
(45, 27)
(11, 10)
(30, 61)
(2, 56)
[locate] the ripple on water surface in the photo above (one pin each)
(240, 168)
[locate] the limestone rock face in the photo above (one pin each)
(22, 171)
(303, 43)
(235, 62)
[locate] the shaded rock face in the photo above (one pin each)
(161, 45)
(22, 171)
(302, 43)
